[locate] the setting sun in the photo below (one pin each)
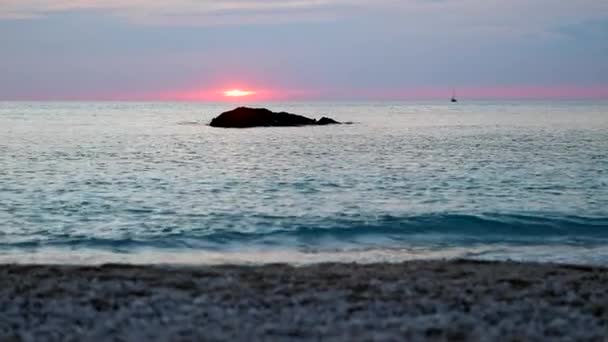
(238, 93)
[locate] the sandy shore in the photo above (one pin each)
(418, 300)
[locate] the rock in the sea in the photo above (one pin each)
(327, 121)
(244, 117)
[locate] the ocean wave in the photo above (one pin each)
(436, 230)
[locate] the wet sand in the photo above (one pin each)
(416, 300)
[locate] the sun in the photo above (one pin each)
(238, 93)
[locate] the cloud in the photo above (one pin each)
(407, 15)
(64, 48)
(497, 14)
(202, 12)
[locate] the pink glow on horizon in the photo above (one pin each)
(565, 92)
(477, 93)
(217, 94)
(514, 93)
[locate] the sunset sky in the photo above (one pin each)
(302, 49)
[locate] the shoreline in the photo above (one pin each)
(259, 256)
(413, 300)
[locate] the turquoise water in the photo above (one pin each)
(152, 182)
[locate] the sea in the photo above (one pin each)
(127, 182)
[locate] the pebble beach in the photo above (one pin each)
(456, 300)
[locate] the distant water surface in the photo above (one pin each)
(152, 182)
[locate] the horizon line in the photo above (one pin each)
(274, 94)
(337, 99)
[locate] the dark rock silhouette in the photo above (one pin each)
(244, 117)
(327, 121)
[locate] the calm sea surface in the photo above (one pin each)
(152, 182)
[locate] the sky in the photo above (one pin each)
(194, 50)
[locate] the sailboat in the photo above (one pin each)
(454, 100)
